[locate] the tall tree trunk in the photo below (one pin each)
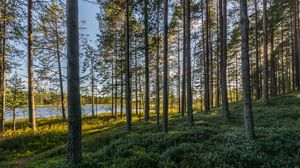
(136, 80)
(127, 71)
(178, 72)
(218, 56)
(223, 63)
(211, 69)
(266, 58)
(1, 54)
(236, 80)
(157, 106)
(93, 88)
(147, 81)
(282, 61)
(273, 67)
(112, 88)
(257, 56)
(248, 116)
(3, 71)
(188, 61)
(183, 95)
(74, 107)
(122, 85)
(62, 101)
(165, 91)
(297, 42)
(206, 66)
(31, 108)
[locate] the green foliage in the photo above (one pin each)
(210, 143)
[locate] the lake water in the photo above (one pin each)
(54, 111)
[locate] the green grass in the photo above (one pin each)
(210, 143)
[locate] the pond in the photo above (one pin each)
(54, 111)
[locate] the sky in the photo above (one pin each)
(87, 13)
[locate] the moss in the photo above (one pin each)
(212, 142)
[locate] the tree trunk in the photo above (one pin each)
(236, 80)
(282, 61)
(178, 72)
(165, 91)
(147, 81)
(157, 106)
(60, 73)
(31, 108)
(3, 71)
(112, 88)
(206, 67)
(14, 119)
(266, 58)
(188, 61)
(183, 95)
(218, 56)
(122, 85)
(74, 108)
(273, 68)
(223, 63)
(248, 116)
(257, 57)
(136, 81)
(93, 88)
(127, 71)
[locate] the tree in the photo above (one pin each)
(31, 108)
(188, 60)
(248, 116)
(266, 58)
(50, 47)
(165, 87)
(89, 67)
(157, 106)
(223, 63)
(127, 71)
(16, 95)
(146, 61)
(257, 56)
(183, 95)
(206, 64)
(3, 68)
(74, 107)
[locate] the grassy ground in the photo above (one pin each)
(210, 143)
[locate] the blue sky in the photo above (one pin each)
(87, 12)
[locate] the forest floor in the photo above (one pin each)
(211, 142)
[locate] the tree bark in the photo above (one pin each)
(157, 106)
(183, 95)
(188, 61)
(93, 88)
(248, 116)
(147, 81)
(206, 66)
(127, 71)
(74, 107)
(257, 56)
(165, 91)
(31, 108)
(266, 58)
(3, 71)
(60, 73)
(273, 68)
(178, 72)
(223, 63)
(14, 119)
